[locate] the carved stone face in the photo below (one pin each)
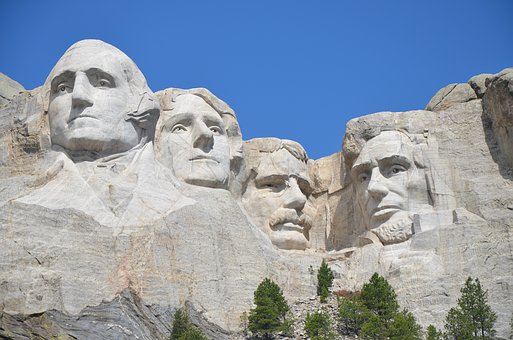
(194, 143)
(389, 186)
(275, 199)
(89, 98)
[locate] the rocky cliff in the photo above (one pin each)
(114, 213)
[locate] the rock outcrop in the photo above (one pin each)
(119, 205)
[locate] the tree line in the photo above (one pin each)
(372, 313)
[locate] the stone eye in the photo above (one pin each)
(363, 177)
(104, 83)
(61, 88)
(216, 130)
(178, 128)
(397, 169)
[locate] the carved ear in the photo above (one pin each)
(146, 113)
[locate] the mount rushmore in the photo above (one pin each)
(120, 204)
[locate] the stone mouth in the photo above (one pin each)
(203, 158)
(81, 116)
(384, 212)
(288, 226)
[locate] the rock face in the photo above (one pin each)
(8, 89)
(119, 205)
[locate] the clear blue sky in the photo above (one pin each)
(290, 69)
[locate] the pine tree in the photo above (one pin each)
(473, 317)
(433, 333)
(192, 333)
(374, 314)
(183, 329)
(352, 315)
(180, 324)
(269, 315)
(318, 326)
(380, 298)
(324, 281)
(404, 326)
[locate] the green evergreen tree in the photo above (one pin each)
(192, 333)
(380, 298)
(324, 281)
(180, 324)
(433, 333)
(269, 315)
(352, 315)
(473, 318)
(318, 326)
(183, 329)
(374, 314)
(404, 326)
(374, 328)
(457, 325)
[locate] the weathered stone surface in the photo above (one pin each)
(498, 111)
(8, 89)
(479, 83)
(276, 191)
(450, 95)
(198, 137)
(107, 234)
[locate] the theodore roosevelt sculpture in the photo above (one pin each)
(198, 137)
(390, 184)
(277, 189)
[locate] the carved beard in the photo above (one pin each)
(395, 230)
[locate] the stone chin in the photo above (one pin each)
(82, 140)
(288, 239)
(210, 179)
(396, 229)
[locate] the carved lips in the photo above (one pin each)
(384, 212)
(289, 220)
(204, 157)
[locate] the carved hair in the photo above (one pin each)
(270, 145)
(417, 141)
(143, 108)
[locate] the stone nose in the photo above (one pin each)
(202, 137)
(81, 95)
(377, 184)
(294, 197)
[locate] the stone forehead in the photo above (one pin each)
(281, 161)
(96, 53)
(193, 103)
(385, 144)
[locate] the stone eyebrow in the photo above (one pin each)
(211, 120)
(95, 71)
(270, 177)
(360, 167)
(395, 159)
(66, 75)
(179, 117)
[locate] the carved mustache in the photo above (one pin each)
(283, 215)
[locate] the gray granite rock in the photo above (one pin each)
(8, 89)
(450, 95)
(102, 236)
